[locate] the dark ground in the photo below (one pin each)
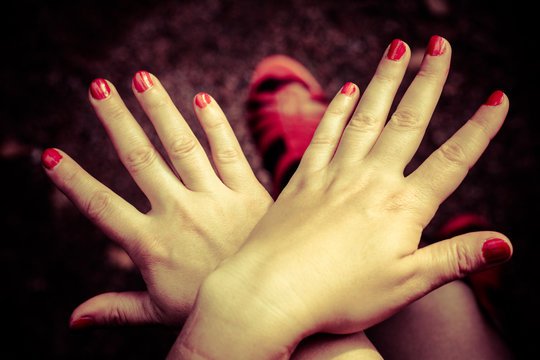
(52, 258)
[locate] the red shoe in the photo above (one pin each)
(284, 107)
(486, 285)
(462, 224)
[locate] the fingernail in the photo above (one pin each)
(202, 99)
(396, 50)
(495, 250)
(436, 46)
(142, 81)
(81, 323)
(50, 158)
(100, 89)
(495, 99)
(348, 89)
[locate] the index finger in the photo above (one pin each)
(443, 171)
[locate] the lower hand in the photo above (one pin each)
(197, 218)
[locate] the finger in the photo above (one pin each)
(186, 153)
(328, 132)
(443, 171)
(453, 259)
(125, 308)
(228, 157)
(144, 163)
(372, 111)
(113, 215)
(403, 133)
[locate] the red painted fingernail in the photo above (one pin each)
(202, 99)
(396, 50)
(496, 250)
(495, 99)
(142, 81)
(348, 89)
(100, 89)
(81, 323)
(436, 46)
(50, 158)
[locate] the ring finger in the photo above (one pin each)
(403, 133)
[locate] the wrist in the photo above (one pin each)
(235, 322)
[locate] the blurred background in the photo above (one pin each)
(52, 258)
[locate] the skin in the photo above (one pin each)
(338, 251)
(179, 241)
(198, 218)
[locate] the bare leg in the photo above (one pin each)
(445, 324)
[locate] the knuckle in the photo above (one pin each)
(401, 198)
(461, 261)
(335, 111)
(115, 112)
(69, 178)
(98, 205)
(397, 202)
(182, 147)
(482, 123)
(405, 119)
(363, 122)
(430, 74)
(453, 152)
(157, 250)
(140, 158)
(385, 78)
(117, 316)
(215, 122)
(157, 103)
(227, 156)
(323, 140)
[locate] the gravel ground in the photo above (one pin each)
(52, 258)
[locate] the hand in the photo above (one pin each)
(338, 251)
(197, 218)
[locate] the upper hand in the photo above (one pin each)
(338, 251)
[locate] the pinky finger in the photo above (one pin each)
(231, 164)
(328, 134)
(112, 214)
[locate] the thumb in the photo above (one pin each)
(114, 308)
(460, 256)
